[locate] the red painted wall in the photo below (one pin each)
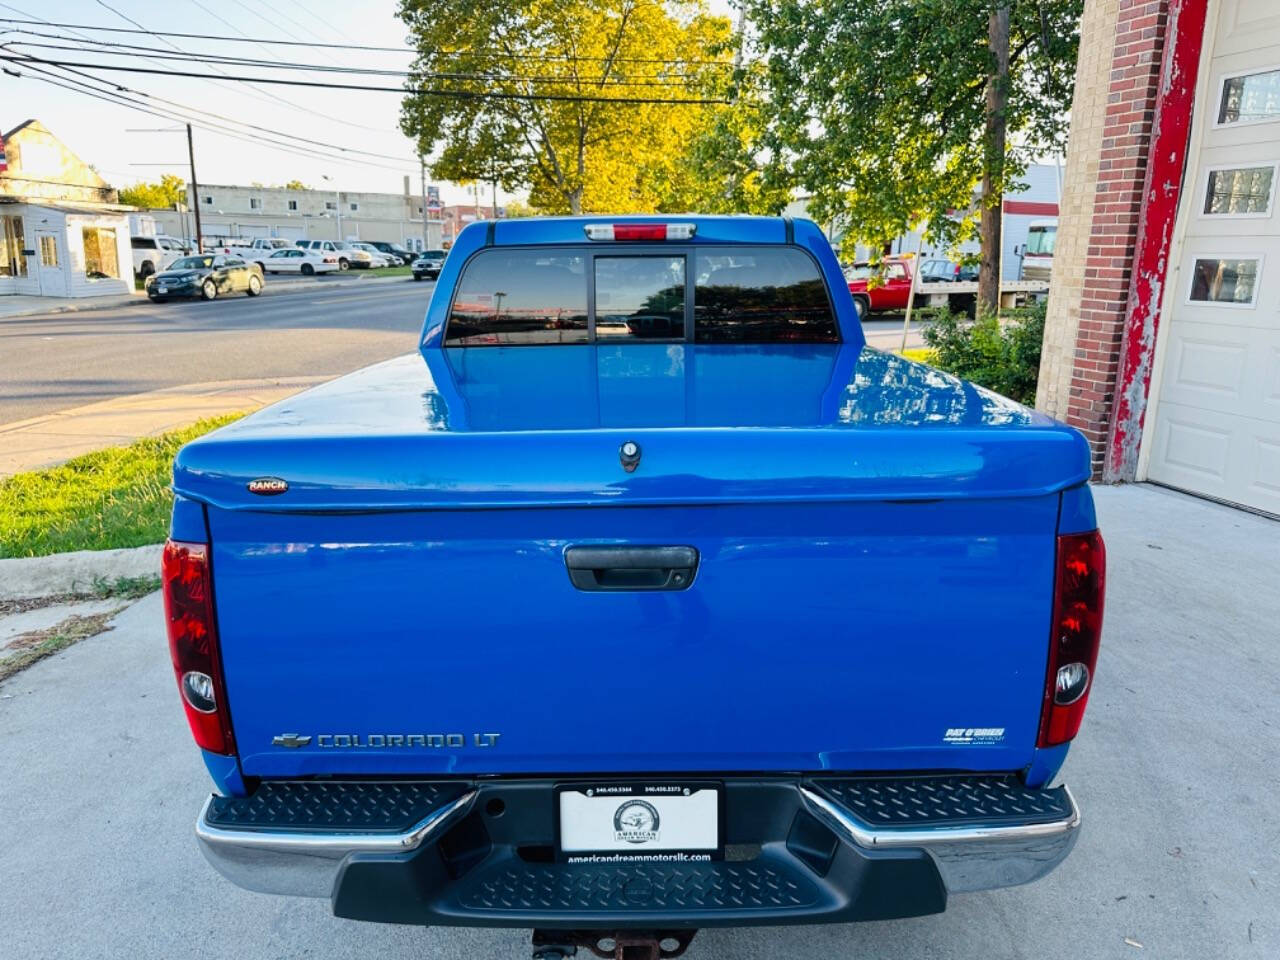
(1153, 66)
(1162, 187)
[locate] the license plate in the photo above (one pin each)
(162, 289)
(632, 821)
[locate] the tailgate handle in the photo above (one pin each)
(631, 568)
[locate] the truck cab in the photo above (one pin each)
(1037, 254)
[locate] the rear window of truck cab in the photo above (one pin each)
(707, 294)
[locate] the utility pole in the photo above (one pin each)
(993, 169)
(195, 190)
(422, 170)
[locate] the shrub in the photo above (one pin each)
(1000, 354)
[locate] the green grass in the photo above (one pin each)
(389, 272)
(118, 497)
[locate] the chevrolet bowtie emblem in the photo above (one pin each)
(289, 740)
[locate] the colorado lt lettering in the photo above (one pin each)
(382, 741)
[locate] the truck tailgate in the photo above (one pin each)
(862, 635)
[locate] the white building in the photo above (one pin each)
(62, 231)
(301, 214)
(1037, 200)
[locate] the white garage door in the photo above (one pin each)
(291, 233)
(1217, 418)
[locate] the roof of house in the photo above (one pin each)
(9, 133)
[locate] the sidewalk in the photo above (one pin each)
(55, 437)
(23, 306)
(12, 307)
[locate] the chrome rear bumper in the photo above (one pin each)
(307, 864)
(837, 849)
(968, 858)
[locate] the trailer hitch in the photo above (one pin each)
(612, 945)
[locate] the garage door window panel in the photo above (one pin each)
(1225, 281)
(1250, 98)
(1240, 191)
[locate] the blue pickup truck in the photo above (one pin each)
(643, 597)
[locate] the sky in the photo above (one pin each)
(122, 145)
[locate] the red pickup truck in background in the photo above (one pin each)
(891, 290)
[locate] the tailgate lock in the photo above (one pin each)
(629, 455)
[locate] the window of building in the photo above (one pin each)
(100, 260)
(761, 295)
(1239, 191)
(355, 207)
(520, 296)
(330, 205)
(206, 199)
(1250, 98)
(255, 203)
(49, 250)
(293, 204)
(13, 257)
(1229, 281)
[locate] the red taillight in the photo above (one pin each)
(640, 231)
(193, 643)
(1078, 591)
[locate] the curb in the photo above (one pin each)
(22, 578)
(131, 301)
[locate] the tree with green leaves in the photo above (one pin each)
(589, 104)
(169, 191)
(894, 113)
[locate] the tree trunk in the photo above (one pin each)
(993, 170)
(575, 202)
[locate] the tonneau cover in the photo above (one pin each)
(543, 426)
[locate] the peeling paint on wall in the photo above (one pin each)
(1171, 126)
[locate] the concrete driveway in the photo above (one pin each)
(1177, 771)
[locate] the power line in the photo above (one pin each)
(77, 86)
(481, 51)
(370, 88)
(130, 49)
(277, 12)
(120, 89)
(260, 94)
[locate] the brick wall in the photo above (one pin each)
(1099, 309)
(1075, 218)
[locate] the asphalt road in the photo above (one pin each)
(55, 361)
(1176, 771)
